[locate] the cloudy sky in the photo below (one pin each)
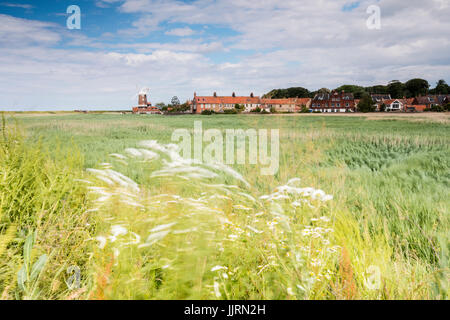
(178, 47)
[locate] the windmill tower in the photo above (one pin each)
(142, 101)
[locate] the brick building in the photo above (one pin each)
(144, 106)
(221, 103)
(334, 102)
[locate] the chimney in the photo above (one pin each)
(251, 95)
(215, 94)
(234, 95)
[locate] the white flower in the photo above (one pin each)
(102, 242)
(217, 290)
(216, 268)
(163, 227)
(290, 291)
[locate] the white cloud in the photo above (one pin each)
(180, 32)
(17, 5)
(310, 43)
(105, 3)
(22, 32)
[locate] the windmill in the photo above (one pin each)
(142, 94)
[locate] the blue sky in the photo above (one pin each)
(182, 47)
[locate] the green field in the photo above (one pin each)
(142, 226)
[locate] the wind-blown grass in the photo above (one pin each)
(145, 224)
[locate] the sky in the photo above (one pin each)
(224, 46)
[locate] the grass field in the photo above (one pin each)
(90, 211)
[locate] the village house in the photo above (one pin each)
(286, 105)
(380, 97)
(334, 102)
(431, 100)
(220, 104)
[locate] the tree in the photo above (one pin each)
(323, 90)
(304, 109)
(160, 105)
(357, 91)
(294, 92)
(417, 87)
(175, 101)
(366, 104)
(239, 107)
(442, 87)
(378, 89)
(396, 89)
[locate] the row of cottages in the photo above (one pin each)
(392, 105)
(334, 102)
(221, 103)
(432, 100)
(418, 104)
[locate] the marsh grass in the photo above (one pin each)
(39, 195)
(389, 178)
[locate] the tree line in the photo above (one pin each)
(397, 89)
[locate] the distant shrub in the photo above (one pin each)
(207, 112)
(256, 110)
(239, 107)
(436, 109)
(304, 109)
(230, 111)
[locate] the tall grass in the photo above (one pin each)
(39, 196)
(144, 224)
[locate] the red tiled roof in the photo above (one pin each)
(227, 100)
(249, 100)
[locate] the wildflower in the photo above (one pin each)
(301, 288)
(154, 237)
(163, 227)
(290, 291)
(254, 230)
(134, 152)
(118, 230)
(137, 239)
(102, 242)
(241, 207)
(217, 290)
(216, 268)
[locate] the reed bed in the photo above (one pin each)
(104, 207)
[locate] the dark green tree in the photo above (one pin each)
(417, 87)
(357, 91)
(441, 87)
(396, 89)
(294, 92)
(366, 104)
